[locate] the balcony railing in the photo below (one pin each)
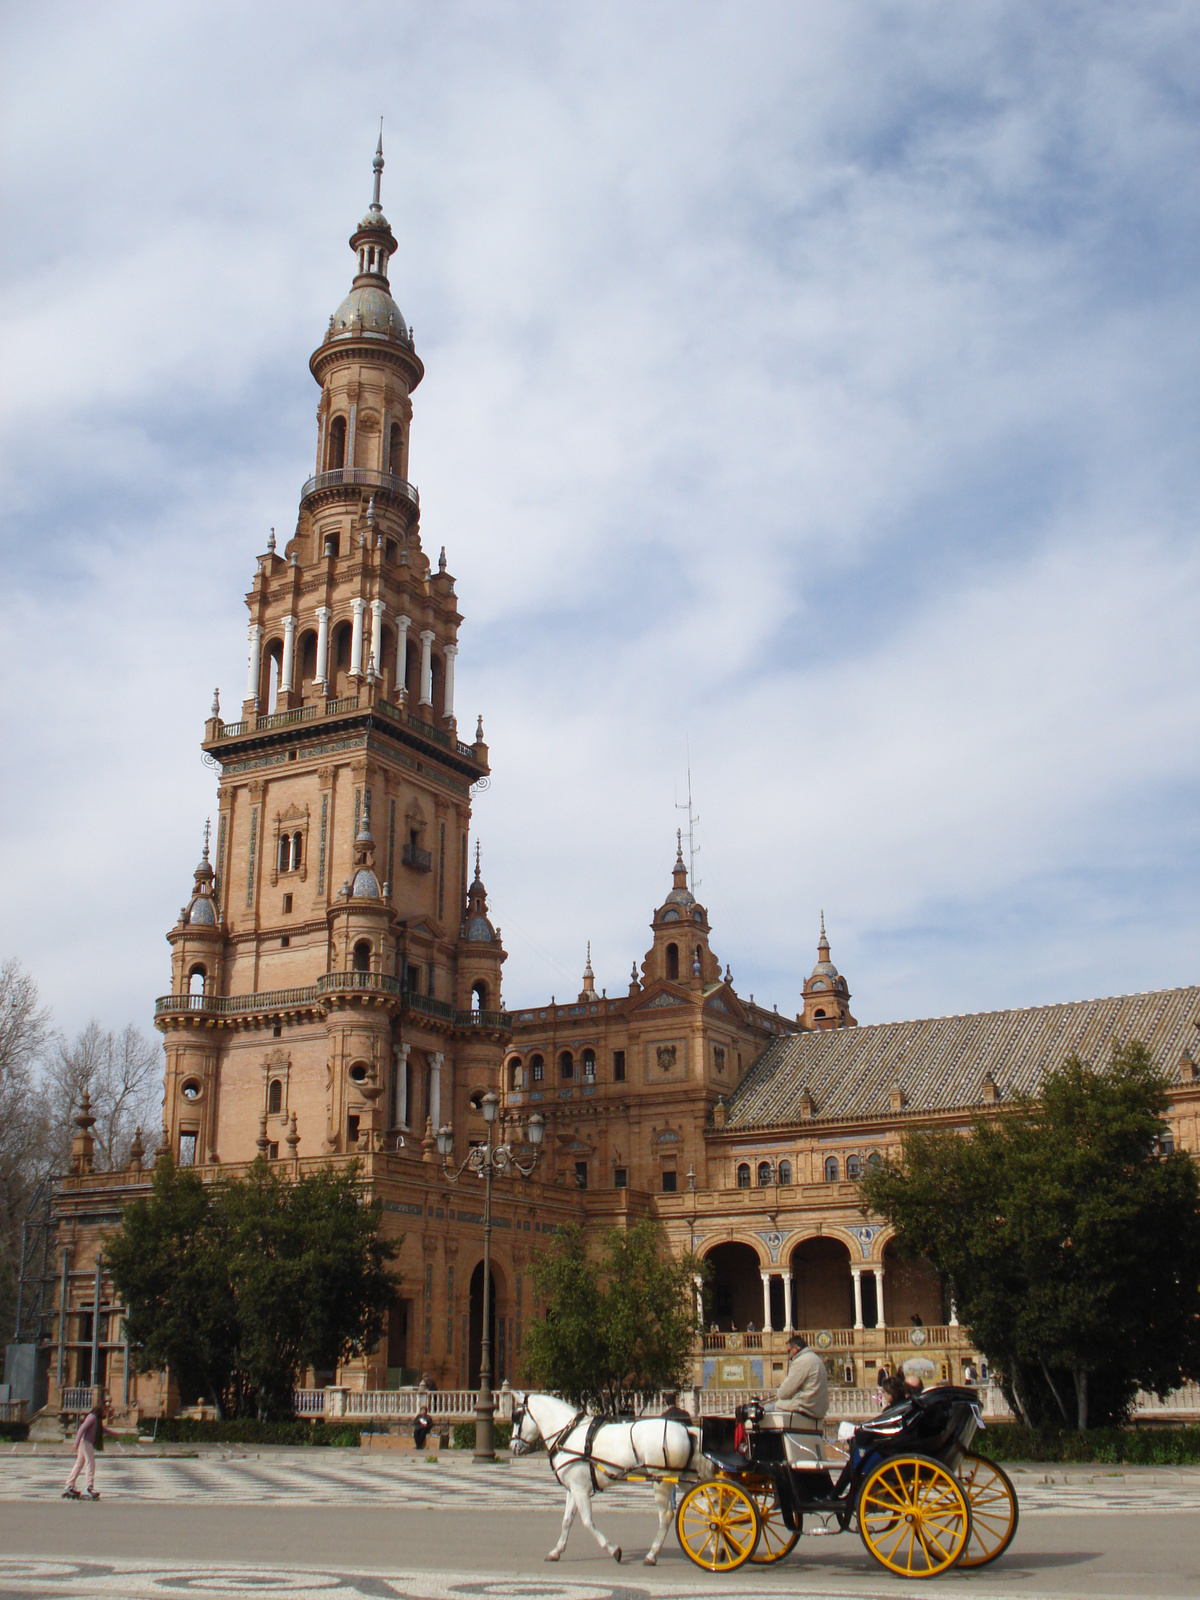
(416, 858)
(218, 1005)
(364, 477)
(339, 708)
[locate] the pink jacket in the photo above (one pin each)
(86, 1432)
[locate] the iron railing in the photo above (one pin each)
(330, 983)
(420, 860)
(365, 477)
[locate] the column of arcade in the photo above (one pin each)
(856, 1276)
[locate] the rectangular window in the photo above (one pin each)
(187, 1149)
(285, 940)
(719, 1058)
(351, 1130)
(581, 1174)
(620, 1178)
(272, 1152)
(432, 984)
(412, 979)
(287, 902)
(618, 1066)
(668, 1180)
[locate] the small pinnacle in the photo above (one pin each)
(207, 831)
(271, 542)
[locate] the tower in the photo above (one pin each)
(826, 993)
(680, 951)
(324, 967)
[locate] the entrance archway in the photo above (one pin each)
(822, 1289)
(911, 1288)
(733, 1294)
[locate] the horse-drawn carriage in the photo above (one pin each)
(921, 1499)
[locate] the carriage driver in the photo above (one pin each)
(803, 1396)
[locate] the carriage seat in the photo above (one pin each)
(789, 1422)
(789, 1436)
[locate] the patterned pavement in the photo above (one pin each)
(349, 1477)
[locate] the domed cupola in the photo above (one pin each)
(681, 933)
(365, 885)
(201, 909)
(588, 992)
(478, 929)
(369, 310)
(826, 993)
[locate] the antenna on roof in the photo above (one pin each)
(693, 824)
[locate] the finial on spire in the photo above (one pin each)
(822, 922)
(477, 873)
(679, 844)
(271, 542)
(377, 169)
(207, 831)
(479, 730)
(442, 560)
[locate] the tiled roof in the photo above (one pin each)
(940, 1063)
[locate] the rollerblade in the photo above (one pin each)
(90, 1494)
(71, 1494)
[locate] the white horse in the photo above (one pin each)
(586, 1455)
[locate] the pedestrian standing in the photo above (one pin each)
(89, 1437)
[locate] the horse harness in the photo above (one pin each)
(554, 1446)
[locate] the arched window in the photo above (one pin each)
(818, 1013)
(743, 1176)
(785, 1172)
(343, 637)
(284, 852)
(196, 980)
(589, 1066)
(672, 961)
(539, 1068)
(514, 1074)
(479, 996)
(698, 964)
(566, 1065)
(274, 668)
(362, 956)
(275, 1097)
(874, 1161)
(396, 451)
(853, 1167)
(297, 851)
(336, 453)
(831, 1169)
(308, 655)
(764, 1174)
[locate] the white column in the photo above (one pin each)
(377, 612)
(356, 642)
(401, 1094)
(880, 1316)
(256, 634)
(402, 626)
(289, 654)
(766, 1283)
(787, 1301)
(435, 1090)
(698, 1286)
(350, 432)
(448, 710)
(426, 667)
(322, 418)
(322, 642)
(856, 1274)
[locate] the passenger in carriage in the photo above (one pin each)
(803, 1396)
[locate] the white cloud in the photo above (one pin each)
(814, 383)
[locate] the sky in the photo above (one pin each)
(811, 392)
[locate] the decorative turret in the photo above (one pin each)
(83, 1145)
(201, 909)
(481, 953)
(365, 885)
(477, 929)
(826, 993)
(588, 992)
(680, 952)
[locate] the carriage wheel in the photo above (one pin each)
(775, 1539)
(717, 1525)
(993, 1510)
(914, 1516)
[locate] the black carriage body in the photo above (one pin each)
(937, 1422)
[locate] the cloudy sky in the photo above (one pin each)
(814, 385)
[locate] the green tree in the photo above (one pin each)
(618, 1326)
(171, 1266)
(238, 1286)
(1071, 1243)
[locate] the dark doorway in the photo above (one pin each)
(397, 1334)
(476, 1329)
(733, 1296)
(870, 1302)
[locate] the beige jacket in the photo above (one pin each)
(805, 1386)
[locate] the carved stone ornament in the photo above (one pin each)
(666, 1057)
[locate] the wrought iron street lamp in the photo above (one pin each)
(483, 1161)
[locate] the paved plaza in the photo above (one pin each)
(276, 1522)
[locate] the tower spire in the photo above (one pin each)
(377, 169)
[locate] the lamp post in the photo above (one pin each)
(483, 1161)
